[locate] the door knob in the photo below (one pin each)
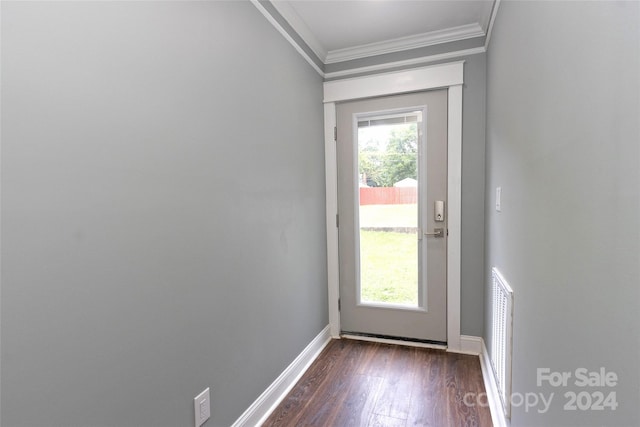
(437, 232)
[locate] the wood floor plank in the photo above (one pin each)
(460, 381)
(293, 407)
(323, 407)
(363, 384)
(395, 396)
(384, 421)
(358, 406)
(376, 359)
(469, 376)
(427, 407)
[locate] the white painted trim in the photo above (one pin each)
(491, 388)
(454, 210)
(494, 12)
(431, 77)
(286, 35)
(331, 177)
(394, 342)
(265, 404)
(291, 16)
(485, 19)
(0, 217)
(405, 63)
(400, 44)
(437, 76)
(470, 345)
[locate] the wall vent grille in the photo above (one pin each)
(501, 337)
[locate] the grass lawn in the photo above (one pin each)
(389, 267)
(389, 215)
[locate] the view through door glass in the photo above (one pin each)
(388, 169)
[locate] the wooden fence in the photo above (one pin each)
(388, 195)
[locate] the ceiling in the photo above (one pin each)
(341, 30)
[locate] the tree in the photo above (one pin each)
(371, 164)
(383, 167)
(400, 161)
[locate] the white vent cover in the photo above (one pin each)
(501, 338)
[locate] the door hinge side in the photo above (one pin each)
(337, 221)
(335, 133)
(339, 305)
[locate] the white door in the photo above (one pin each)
(392, 189)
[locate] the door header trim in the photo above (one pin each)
(417, 79)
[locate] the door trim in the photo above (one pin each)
(449, 75)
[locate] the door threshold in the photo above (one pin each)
(385, 339)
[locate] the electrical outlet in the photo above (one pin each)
(202, 407)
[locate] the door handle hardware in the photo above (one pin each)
(437, 232)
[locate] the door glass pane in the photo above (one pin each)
(388, 208)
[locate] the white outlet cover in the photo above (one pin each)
(202, 407)
(499, 199)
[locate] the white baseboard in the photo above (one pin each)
(491, 387)
(470, 345)
(259, 410)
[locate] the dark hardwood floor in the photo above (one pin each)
(359, 383)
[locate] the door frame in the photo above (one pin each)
(441, 76)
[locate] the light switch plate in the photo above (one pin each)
(499, 199)
(202, 407)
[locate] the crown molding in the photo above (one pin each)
(298, 25)
(431, 38)
(453, 34)
(404, 63)
(492, 20)
(287, 36)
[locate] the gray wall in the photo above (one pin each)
(473, 193)
(563, 142)
(162, 211)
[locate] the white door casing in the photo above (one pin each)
(450, 76)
